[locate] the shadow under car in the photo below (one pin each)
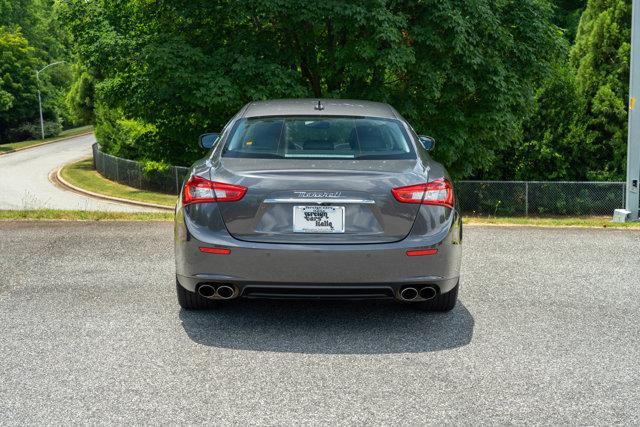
(328, 327)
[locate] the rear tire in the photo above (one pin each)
(192, 301)
(443, 302)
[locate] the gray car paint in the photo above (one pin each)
(370, 251)
(383, 220)
(307, 107)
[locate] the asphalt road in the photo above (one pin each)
(547, 331)
(25, 184)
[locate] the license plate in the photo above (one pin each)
(318, 219)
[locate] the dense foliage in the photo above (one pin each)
(16, 77)
(601, 60)
(81, 96)
(464, 71)
(579, 127)
(525, 89)
(567, 16)
(30, 38)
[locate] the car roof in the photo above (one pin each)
(308, 107)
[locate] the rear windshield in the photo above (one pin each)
(319, 138)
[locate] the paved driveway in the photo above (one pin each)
(24, 178)
(547, 331)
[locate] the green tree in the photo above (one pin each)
(6, 99)
(37, 23)
(567, 16)
(31, 38)
(17, 81)
(600, 57)
(546, 150)
(80, 99)
(464, 71)
(475, 76)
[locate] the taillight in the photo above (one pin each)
(438, 192)
(200, 190)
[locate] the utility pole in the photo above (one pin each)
(633, 142)
(40, 96)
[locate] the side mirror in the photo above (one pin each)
(427, 142)
(208, 140)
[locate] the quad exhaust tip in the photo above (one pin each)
(206, 291)
(428, 293)
(219, 292)
(411, 294)
(225, 292)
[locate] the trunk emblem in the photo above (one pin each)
(318, 194)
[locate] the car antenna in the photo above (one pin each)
(319, 106)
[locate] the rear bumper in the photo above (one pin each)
(379, 268)
(311, 290)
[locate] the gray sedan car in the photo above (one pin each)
(317, 199)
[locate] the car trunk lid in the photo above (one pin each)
(319, 202)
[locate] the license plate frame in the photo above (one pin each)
(318, 219)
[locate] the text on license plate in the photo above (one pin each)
(318, 219)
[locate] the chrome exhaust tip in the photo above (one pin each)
(428, 293)
(206, 291)
(226, 292)
(409, 294)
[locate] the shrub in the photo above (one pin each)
(27, 131)
(125, 137)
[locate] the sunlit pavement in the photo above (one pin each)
(547, 331)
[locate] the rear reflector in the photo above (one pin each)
(217, 251)
(422, 252)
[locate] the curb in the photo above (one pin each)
(45, 143)
(548, 226)
(58, 176)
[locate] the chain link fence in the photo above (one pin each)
(133, 174)
(496, 198)
(540, 198)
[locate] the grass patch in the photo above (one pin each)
(585, 222)
(7, 148)
(81, 174)
(52, 214)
